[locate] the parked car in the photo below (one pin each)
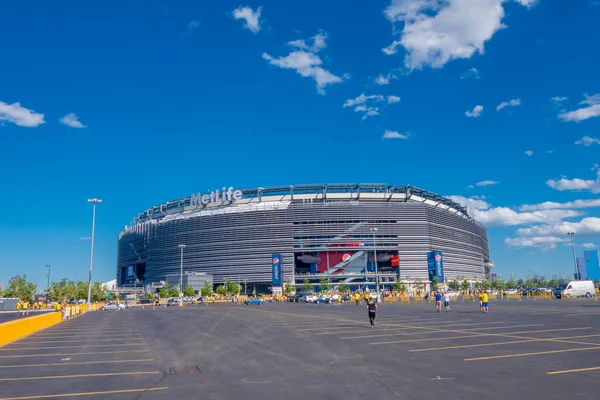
(112, 307)
(311, 298)
(254, 301)
(173, 302)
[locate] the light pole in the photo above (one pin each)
(245, 287)
(89, 296)
(375, 259)
(77, 290)
(48, 275)
(181, 246)
(571, 234)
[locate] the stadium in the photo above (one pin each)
(263, 237)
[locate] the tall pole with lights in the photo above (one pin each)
(571, 234)
(89, 296)
(48, 275)
(181, 246)
(375, 259)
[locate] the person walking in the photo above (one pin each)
(484, 302)
(372, 309)
(447, 301)
(438, 301)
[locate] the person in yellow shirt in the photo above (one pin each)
(18, 307)
(357, 298)
(480, 295)
(484, 302)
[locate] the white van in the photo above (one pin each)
(575, 289)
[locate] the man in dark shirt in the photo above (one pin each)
(438, 301)
(372, 308)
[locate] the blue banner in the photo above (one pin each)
(439, 265)
(431, 264)
(276, 261)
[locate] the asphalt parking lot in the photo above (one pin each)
(546, 349)
(6, 316)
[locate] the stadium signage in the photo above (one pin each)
(215, 196)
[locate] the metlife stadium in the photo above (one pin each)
(306, 232)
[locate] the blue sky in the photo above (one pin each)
(139, 102)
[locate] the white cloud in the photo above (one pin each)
(588, 141)
(589, 226)
(543, 242)
(471, 202)
(434, 32)
(504, 216)
(528, 153)
(549, 151)
(251, 17)
(383, 80)
(394, 135)
(191, 27)
(550, 205)
(472, 73)
(595, 167)
(558, 99)
(20, 116)
(511, 103)
(72, 120)
(306, 62)
(470, 187)
(577, 184)
(581, 114)
(476, 112)
(527, 3)
(366, 103)
(588, 245)
(487, 183)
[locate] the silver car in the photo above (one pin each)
(112, 307)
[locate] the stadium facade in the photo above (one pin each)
(312, 231)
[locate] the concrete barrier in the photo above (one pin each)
(19, 328)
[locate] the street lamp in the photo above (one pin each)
(375, 259)
(181, 246)
(571, 234)
(245, 287)
(48, 275)
(89, 296)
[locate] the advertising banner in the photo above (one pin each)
(276, 263)
(431, 264)
(581, 267)
(592, 264)
(439, 265)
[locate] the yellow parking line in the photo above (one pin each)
(423, 340)
(422, 333)
(76, 363)
(474, 335)
(466, 346)
(40, 336)
(52, 396)
(69, 341)
(73, 354)
(34, 378)
(530, 354)
(74, 347)
(568, 371)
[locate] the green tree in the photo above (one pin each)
(234, 288)
(531, 283)
(498, 284)
(306, 286)
(206, 290)
(163, 292)
(543, 282)
(221, 290)
(399, 286)
(19, 287)
(485, 285)
(511, 284)
(324, 286)
(464, 285)
(149, 295)
(454, 285)
(288, 287)
(435, 281)
(344, 287)
(188, 291)
(174, 291)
